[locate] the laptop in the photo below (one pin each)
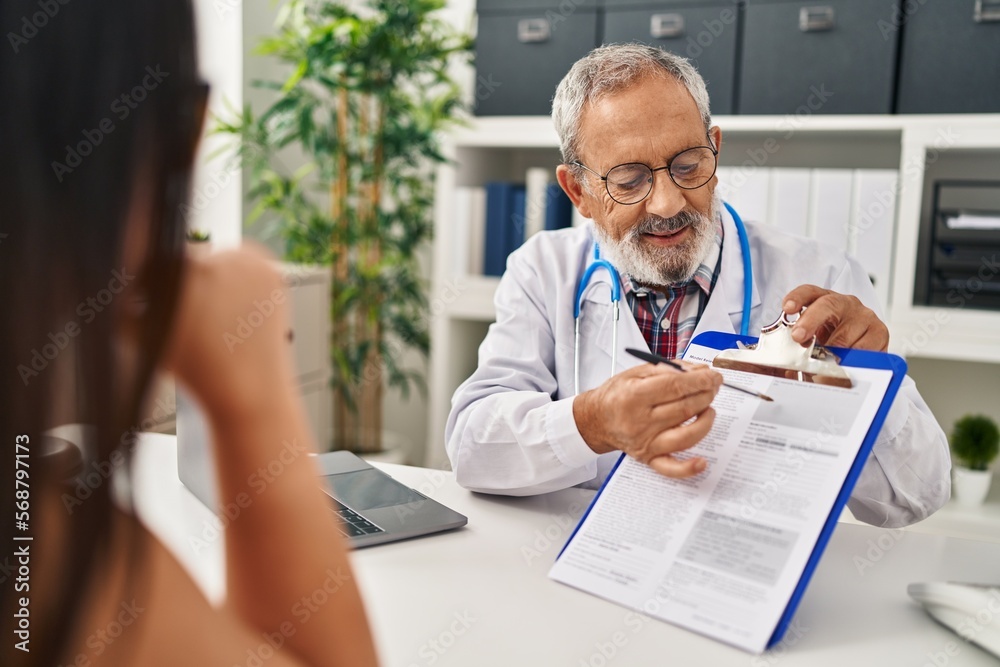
(373, 508)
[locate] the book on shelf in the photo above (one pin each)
(514, 212)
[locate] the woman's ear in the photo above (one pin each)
(574, 189)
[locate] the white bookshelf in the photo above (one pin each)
(501, 148)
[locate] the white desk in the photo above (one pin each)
(480, 597)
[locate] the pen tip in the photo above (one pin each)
(766, 398)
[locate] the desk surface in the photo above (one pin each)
(480, 596)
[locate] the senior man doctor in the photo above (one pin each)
(639, 156)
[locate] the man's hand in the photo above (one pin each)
(642, 412)
(835, 319)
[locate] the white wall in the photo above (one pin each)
(217, 197)
(954, 389)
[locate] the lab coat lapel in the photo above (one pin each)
(724, 310)
(596, 324)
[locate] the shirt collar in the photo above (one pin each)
(704, 276)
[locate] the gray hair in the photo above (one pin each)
(609, 69)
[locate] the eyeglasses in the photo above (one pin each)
(632, 182)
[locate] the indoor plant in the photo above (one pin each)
(975, 442)
(366, 100)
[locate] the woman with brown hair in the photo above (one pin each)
(102, 108)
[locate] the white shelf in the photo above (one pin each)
(946, 333)
(538, 131)
(475, 301)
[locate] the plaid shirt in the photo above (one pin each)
(668, 320)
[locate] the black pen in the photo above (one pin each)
(657, 359)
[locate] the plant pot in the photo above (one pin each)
(970, 487)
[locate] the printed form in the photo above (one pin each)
(722, 553)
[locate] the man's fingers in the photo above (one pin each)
(668, 466)
(801, 296)
(669, 385)
(846, 334)
(827, 310)
(875, 336)
(675, 413)
(678, 438)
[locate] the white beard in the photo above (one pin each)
(658, 267)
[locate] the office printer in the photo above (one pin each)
(959, 266)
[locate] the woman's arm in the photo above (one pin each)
(287, 565)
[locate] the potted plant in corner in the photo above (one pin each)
(368, 95)
(975, 442)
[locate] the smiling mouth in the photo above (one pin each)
(666, 234)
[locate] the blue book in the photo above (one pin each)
(504, 225)
(558, 208)
(518, 222)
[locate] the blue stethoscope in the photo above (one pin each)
(616, 295)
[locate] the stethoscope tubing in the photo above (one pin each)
(616, 289)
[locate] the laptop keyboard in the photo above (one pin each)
(353, 524)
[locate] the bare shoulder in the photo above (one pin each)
(156, 615)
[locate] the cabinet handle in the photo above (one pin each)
(816, 19)
(987, 11)
(533, 31)
(666, 26)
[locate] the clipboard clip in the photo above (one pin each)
(776, 354)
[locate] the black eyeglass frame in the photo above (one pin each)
(652, 182)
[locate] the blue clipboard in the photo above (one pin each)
(848, 358)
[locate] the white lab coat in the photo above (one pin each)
(511, 429)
